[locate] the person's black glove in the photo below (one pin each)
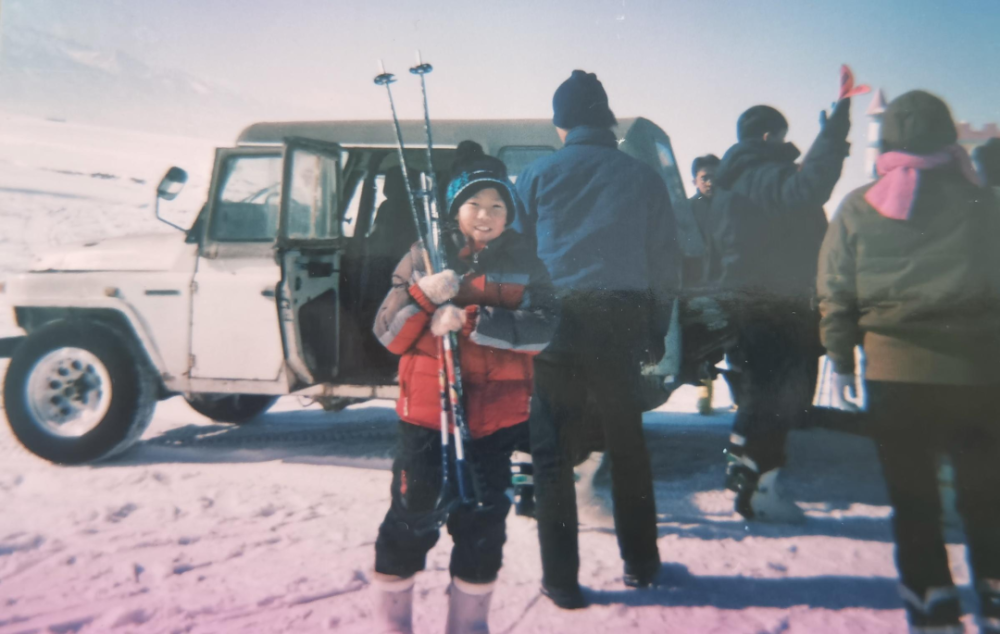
(838, 124)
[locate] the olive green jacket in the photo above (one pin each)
(922, 296)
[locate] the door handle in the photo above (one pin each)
(268, 292)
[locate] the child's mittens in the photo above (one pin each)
(440, 287)
(447, 318)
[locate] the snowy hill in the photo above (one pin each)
(49, 76)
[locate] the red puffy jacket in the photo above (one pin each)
(511, 307)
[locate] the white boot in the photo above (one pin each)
(468, 607)
(770, 506)
(393, 599)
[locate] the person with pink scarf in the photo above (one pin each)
(910, 271)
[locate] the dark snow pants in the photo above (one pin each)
(777, 363)
(592, 364)
(410, 529)
(913, 425)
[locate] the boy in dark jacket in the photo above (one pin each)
(909, 270)
(778, 344)
(498, 297)
(603, 226)
(713, 214)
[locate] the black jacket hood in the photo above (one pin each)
(747, 154)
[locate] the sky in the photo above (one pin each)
(692, 67)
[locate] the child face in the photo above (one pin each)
(703, 181)
(483, 217)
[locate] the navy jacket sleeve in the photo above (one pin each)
(526, 215)
(784, 189)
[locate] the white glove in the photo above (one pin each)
(440, 287)
(447, 318)
(845, 384)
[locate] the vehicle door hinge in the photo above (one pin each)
(194, 286)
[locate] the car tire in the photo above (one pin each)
(77, 392)
(231, 408)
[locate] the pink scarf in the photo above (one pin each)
(899, 175)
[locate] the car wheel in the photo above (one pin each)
(231, 408)
(75, 392)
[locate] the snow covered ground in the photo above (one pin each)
(205, 528)
(270, 528)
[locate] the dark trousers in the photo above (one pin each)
(592, 368)
(410, 528)
(913, 425)
(778, 368)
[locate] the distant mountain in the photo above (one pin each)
(52, 77)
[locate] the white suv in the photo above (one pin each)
(272, 291)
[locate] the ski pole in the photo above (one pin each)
(386, 79)
(452, 365)
(422, 69)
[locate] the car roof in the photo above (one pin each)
(492, 134)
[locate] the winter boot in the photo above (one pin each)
(705, 397)
(567, 598)
(989, 606)
(524, 488)
(758, 496)
(641, 574)
(769, 505)
(393, 604)
(468, 607)
(741, 476)
(937, 612)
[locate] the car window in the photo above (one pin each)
(312, 196)
(247, 206)
(350, 220)
(516, 158)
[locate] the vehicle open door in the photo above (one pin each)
(647, 142)
(309, 248)
(235, 333)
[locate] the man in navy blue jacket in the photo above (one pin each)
(603, 226)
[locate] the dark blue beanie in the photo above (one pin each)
(475, 171)
(581, 100)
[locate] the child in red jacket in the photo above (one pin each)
(498, 298)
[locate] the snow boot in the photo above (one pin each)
(769, 505)
(989, 606)
(569, 598)
(641, 574)
(757, 495)
(393, 604)
(937, 612)
(468, 607)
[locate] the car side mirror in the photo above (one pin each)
(171, 184)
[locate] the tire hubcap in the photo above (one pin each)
(69, 392)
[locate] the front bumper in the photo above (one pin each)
(8, 345)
